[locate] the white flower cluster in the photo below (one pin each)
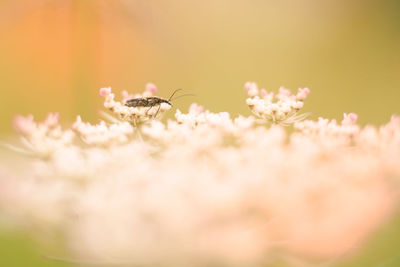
(102, 134)
(198, 116)
(134, 115)
(281, 108)
(41, 139)
(213, 129)
(205, 189)
(328, 129)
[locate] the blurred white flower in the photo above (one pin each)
(205, 189)
(41, 139)
(102, 134)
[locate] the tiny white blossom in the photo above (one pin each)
(283, 111)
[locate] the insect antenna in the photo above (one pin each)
(182, 96)
(169, 99)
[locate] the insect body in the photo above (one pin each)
(151, 102)
(146, 102)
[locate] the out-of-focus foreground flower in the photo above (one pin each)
(204, 189)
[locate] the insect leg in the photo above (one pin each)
(159, 106)
(147, 112)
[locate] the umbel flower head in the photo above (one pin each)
(282, 108)
(203, 189)
(137, 114)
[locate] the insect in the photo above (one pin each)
(151, 101)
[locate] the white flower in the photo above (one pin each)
(101, 134)
(203, 188)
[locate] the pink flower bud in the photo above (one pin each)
(284, 91)
(263, 92)
(196, 109)
(77, 123)
(247, 86)
(302, 93)
(151, 88)
(349, 119)
(52, 119)
(24, 125)
(104, 92)
(251, 88)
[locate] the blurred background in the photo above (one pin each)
(56, 54)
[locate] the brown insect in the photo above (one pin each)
(151, 101)
(147, 101)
